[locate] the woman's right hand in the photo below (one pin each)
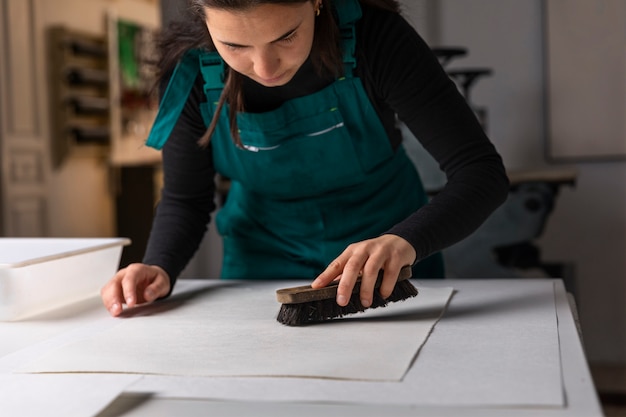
(134, 285)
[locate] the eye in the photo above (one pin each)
(289, 39)
(233, 47)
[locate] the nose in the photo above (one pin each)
(267, 64)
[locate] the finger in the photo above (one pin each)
(160, 287)
(332, 272)
(368, 283)
(129, 283)
(112, 296)
(348, 279)
(390, 279)
(113, 300)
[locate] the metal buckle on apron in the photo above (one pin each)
(252, 148)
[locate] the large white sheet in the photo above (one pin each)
(225, 329)
(59, 395)
(496, 346)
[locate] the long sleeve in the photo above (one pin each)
(187, 198)
(404, 77)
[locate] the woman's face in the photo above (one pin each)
(267, 43)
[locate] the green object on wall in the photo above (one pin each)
(129, 67)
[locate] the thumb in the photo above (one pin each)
(158, 288)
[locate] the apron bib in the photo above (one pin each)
(312, 176)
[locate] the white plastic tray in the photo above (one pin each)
(41, 274)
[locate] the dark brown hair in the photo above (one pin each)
(179, 37)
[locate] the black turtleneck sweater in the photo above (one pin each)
(403, 79)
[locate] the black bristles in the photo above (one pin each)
(323, 310)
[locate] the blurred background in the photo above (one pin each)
(547, 78)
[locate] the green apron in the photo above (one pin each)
(312, 176)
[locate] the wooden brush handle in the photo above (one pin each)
(305, 293)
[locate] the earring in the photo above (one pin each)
(319, 7)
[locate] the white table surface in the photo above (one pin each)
(477, 303)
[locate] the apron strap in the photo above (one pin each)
(348, 12)
(213, 72)
(174, 99)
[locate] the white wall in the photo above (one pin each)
(588, 226)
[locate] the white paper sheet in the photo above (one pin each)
(230, 330)
(496, 346)
(505, 335)
(59, 395)
(22, 341)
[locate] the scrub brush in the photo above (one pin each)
(305, 305)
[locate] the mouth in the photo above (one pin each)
(274, 81)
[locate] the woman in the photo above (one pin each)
(296, 102)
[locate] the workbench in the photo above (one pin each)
(476, 362)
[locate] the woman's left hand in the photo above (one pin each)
(365, 259)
